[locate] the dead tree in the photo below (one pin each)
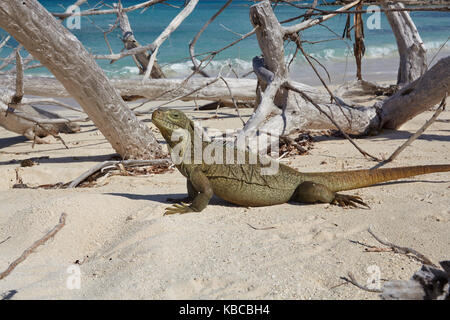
(141, 59)
(411, 49)
(284, 107)
(154, 89)
(61, 52)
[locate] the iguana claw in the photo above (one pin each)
(178, 208)
(348, 201)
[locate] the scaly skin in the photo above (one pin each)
(245, 185)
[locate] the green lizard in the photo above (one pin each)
(245, 185)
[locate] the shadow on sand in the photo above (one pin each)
(162, 198)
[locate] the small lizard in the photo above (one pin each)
(32, 131)
(245, 184)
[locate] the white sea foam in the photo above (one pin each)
(225, 67)
(380, 52)
(436, 45)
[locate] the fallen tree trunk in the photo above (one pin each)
(63, 54)
(157, 89)
(418, 96)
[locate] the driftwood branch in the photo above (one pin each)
(92, 12)
(152, 89)
(130, 42)
(27, 252)
(351, 279)
(17, 98)
(312, 22)
(410, 45)
(199, 33)
(233, 100)
(289, 111)
(428, 283)
(307, 98)
(420, 131)
(105, 164)
(403, 250)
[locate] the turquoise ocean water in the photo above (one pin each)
(434, 28)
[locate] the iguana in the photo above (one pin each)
(245, 185)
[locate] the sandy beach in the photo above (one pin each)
(124, 248)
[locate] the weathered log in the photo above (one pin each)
(417, 97)
(155, 89)
(428, 283)
(62, 53)
(243, 90)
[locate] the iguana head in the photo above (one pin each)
(170, 120)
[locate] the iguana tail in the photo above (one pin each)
(347, 180)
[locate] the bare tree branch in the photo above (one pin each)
(312, 22)
(419, 132)
(199, 33)
(92, 12)
(27, 252)
(173, 25)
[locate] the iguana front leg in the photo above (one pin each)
(192, 193)
(310, 192)
(201, 185)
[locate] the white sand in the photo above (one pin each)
(130, 250)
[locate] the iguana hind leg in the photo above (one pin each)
(310, 192)
(201, 184)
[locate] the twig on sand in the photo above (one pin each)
(404, 250)
(105, 164)
(419, 132)
(9, 237)
(263, 228)
(27, 252)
